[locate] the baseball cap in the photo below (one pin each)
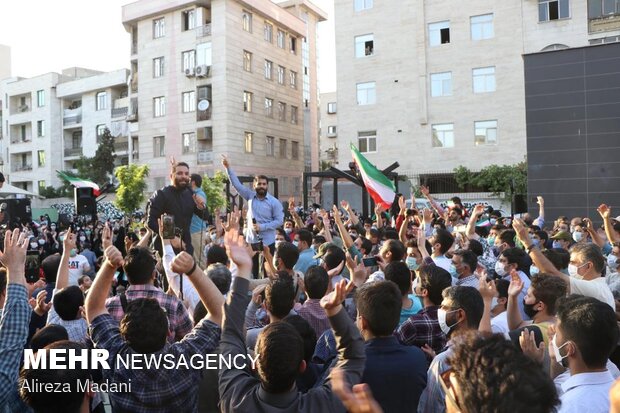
(563, 235)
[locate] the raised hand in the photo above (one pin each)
(604, 211)
(68, 242)
(540, 200)
(427, 214)
(106, 236)
(40, 306)
(182, 263)
(113, 256)
(402, 204)
(487, 289)
(358, 401)
(232, 223)
(478, 210)
(332, 301)
(527, 341)
(357, 269)
(521, 229)
(238, 253)
(14, 255)
(589, 224)
(345, 205)
(256, 294)
(225, 162)
(291, 203)
(516, 284)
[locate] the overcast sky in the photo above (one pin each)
(47, 36)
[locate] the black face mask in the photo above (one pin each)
(529, 309)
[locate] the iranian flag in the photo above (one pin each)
(79, 182)
(380, 188)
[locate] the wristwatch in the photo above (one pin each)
(190, 272)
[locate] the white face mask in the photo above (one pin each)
(500, 269)
(33, 245)
(534, 270)
(213, 236)
(278, 243)
(556, 350)
(494, 303)
(612, 262)
(577, 236)
(441, 317)
(82, 239)
(573, 271)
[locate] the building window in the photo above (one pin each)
(247, 61)
(159, 106)
(367, 141)
(102, 101)
(482, 27)
(485, 132)
(76, 140)
(292, 79)
(270, 146)
(293, 44)
(366, 94)
(247, 21)
(41, 186)
(443, 135)
(189, 142)
(41, 157)
(268, 32)
(268, 69)
(204, 54)
(247, 101)
(364, 45)
(283, 148)
(189, 20)
(40, 98)
(294, 150)
(281, 75)
(331, 107)
(100, 130)
(159, 146)
(439, 33)
(159, 28)
(281, 39)
(554, 10)
(363, 5)
(293, 114)
(189, 60)
(189, 101)
(269, 107)
(600, 8)
(441, 84)
(331, 130)
(282, 111)
(247, 142)
(158, 67)
(484, 79)
(40, 128)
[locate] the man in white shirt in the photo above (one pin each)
(78, 265)
(586, 334)
(441, 241)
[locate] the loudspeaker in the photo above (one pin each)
(519, 204)
(85, 203)
(17, 211)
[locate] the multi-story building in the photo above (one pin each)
(5, 62)
(442, 86)
(225, 77)
(328, 148)
(50, 120)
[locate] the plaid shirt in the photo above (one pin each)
(155, 390)
(470, 281)
(179, 323)
(315, 315)
(422, 328)
(77, 329)
(13, 336)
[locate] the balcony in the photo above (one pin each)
(132, 111)
(610, 22)
(120, 108)
(24, 139)
(203, 31)
(121, 146)
(205, 157)
(21, 167)
(72, 117)
(73, 151)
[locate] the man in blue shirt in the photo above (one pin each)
(303, 241)
(197, 225)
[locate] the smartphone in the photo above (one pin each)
(370, 262)
(257, 246)
(168, 224)
(32, 266)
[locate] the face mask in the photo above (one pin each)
(213, 236)
(278, 243)
(41, 242)
(535, 241)
(295, 243)
(453, 272)
(441, 317)
(573, 271)
(353, 236)
(288, 230)
(528, 309)
(556, 244)
(88, 232)
(612, 261)
(494, 302)
(499, 269)
(53, 227)
(33, 245)
(73, 252)
(412, 264)
(534, 270)
(493, 221)
(491, 241)
(556, 351)
(61, 238)
(82, 239)
(577, 236)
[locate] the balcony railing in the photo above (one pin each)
(202, 31)
(72, 116)
(21, 140)
(121, 146)
(119, 112)
(21, 167)
(73, 151)
(205, 157)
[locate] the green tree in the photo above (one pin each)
(214, 189)
(132, 184)
(102, 164)
(506, 179)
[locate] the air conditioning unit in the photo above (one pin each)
(203, 71)
(189, 72)
(23, 108)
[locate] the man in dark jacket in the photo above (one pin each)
(175, 199)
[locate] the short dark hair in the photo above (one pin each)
(444, 239)
(305, 236)
(469, 259)
(482, 362)
(220, 275)
(197, 179)
(82, 278)
(50, 267)
(590, 252)
(316, 282)
(67, 302)
(476, 247)
(288, 253)
(508, 236)
(215, 254)
(389, 234)
(399, 274)
(591, 324)
(502, 287)
(200, 312)
(55, 402)
(564, 257)
(280, 296)
(366, 246)
(515, 256)
(379, 303)
(144, 325)
(434, 279)
(397, 249)
(260, 177)
(548, 289)
(139, 265)
(333, 257)
(49, 334)
(176, 165)
(307, 333)
(555, 258)
(469, 300)
(544, 237)
(280, 351)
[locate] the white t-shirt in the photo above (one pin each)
(499, 323)
(77, 265)
(596, 288)
(443, 262)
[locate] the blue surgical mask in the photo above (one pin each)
(295, 243)
(534, 270)
(536, 242)
(412, 264)
(612, 261)
(453, 271)
(493, 221)
(577, 236)
(491, 241)
(556, 244)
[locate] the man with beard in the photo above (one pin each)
(176, 200)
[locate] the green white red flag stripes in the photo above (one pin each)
(380, 188)
(79, 182)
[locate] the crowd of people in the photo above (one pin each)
(433, 310)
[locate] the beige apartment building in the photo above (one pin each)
(225, 77)
(329, 130)
(434, 86)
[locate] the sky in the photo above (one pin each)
(48, 36)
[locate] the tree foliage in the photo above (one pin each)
(507, 179)
(214, 189)
(132, 184)
(101, 166)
